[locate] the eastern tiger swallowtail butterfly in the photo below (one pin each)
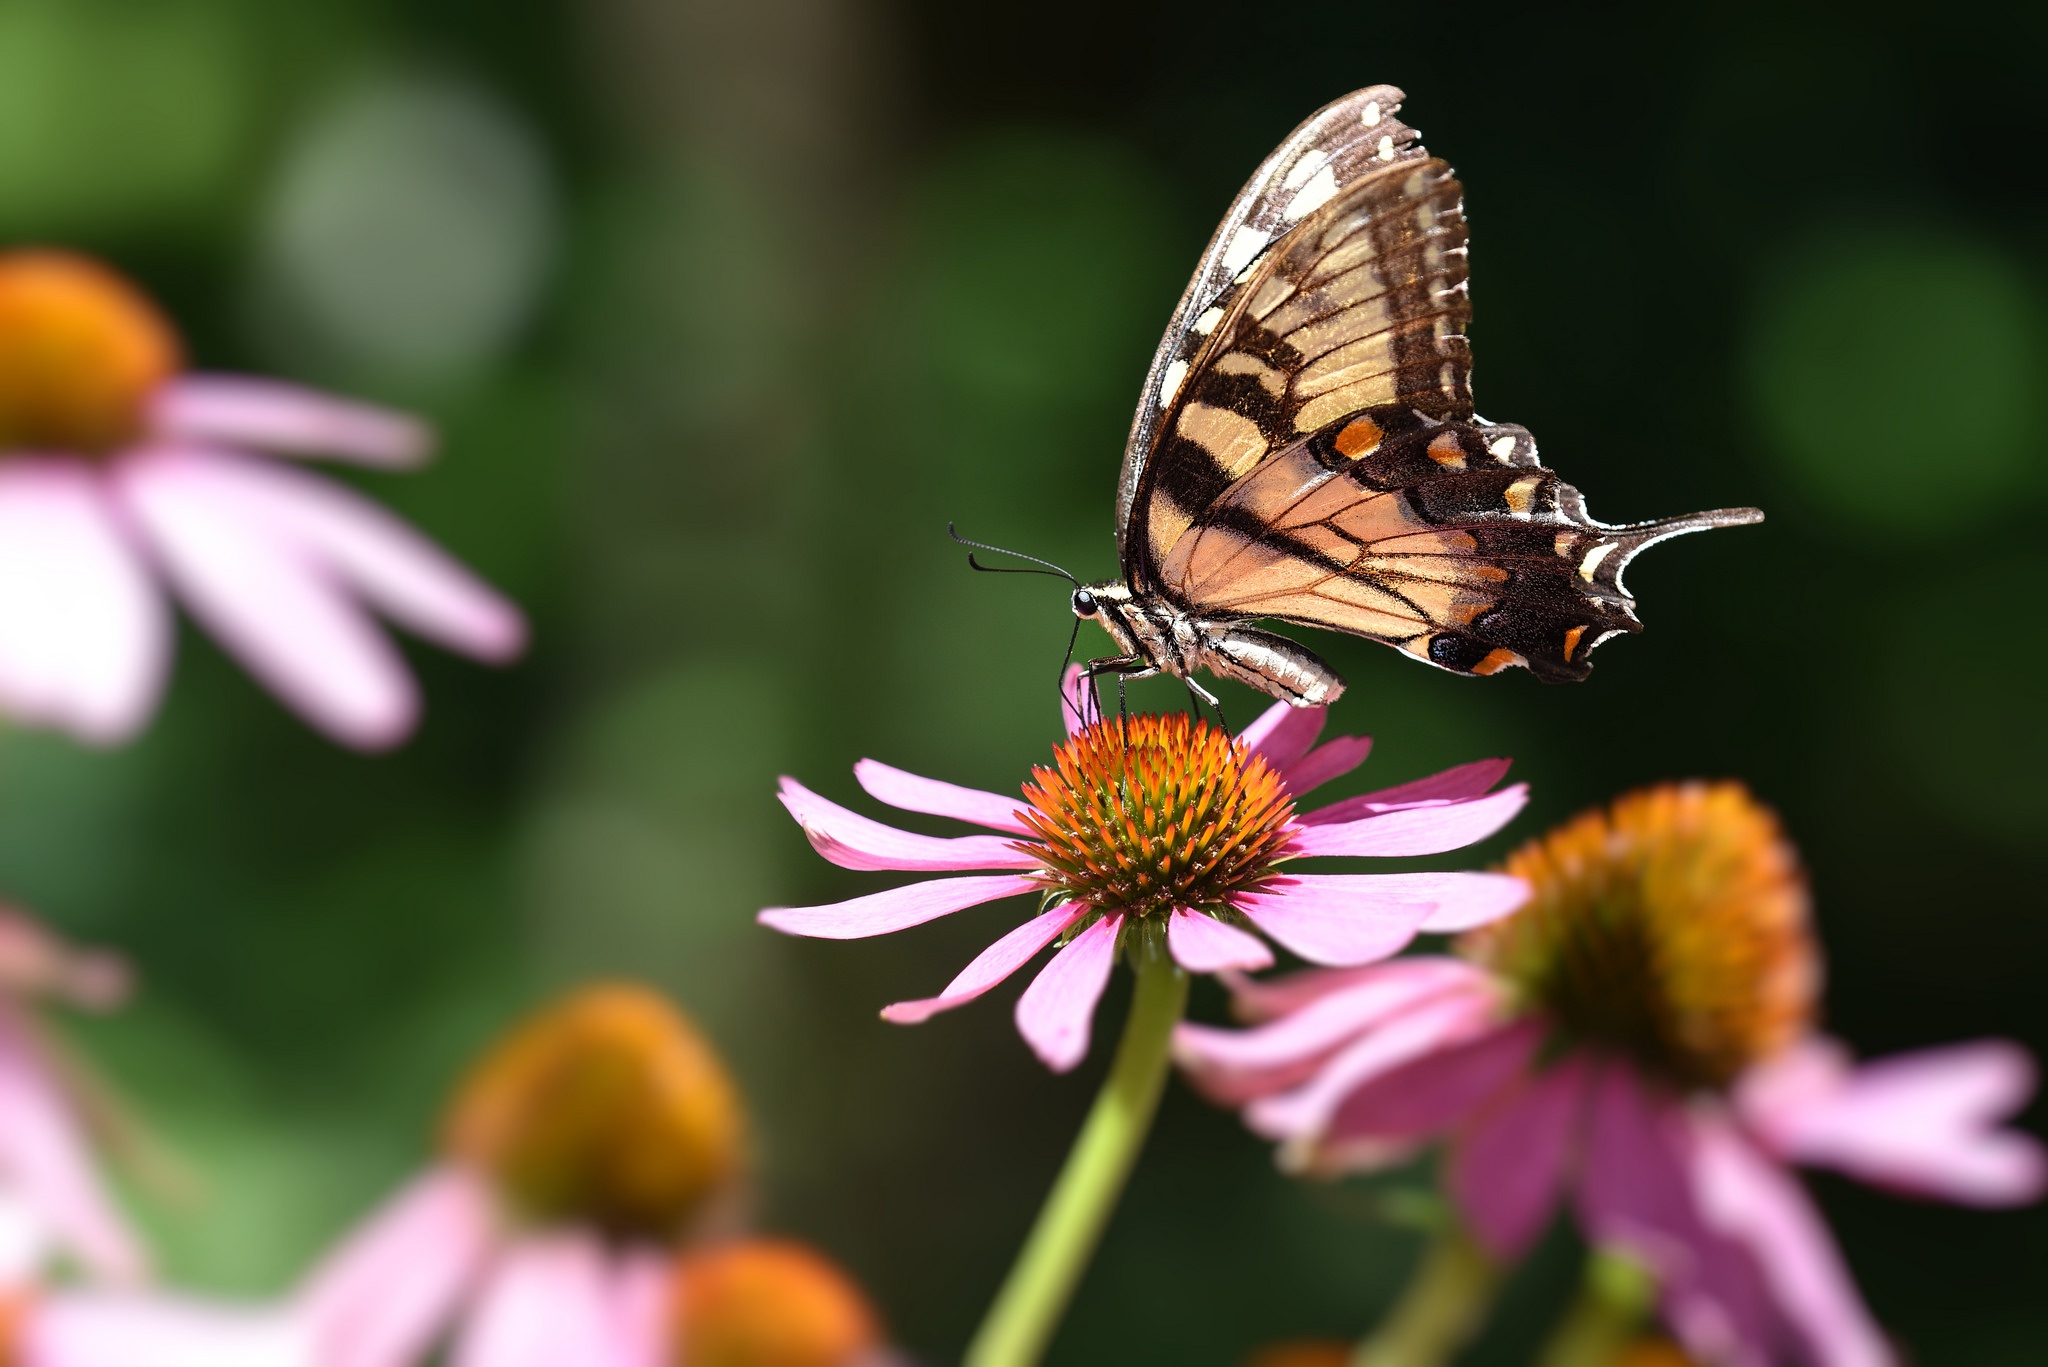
(1305, 450)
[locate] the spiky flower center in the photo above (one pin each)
(1140, 815)
(607, 1110)
(1671, 926)
(81, 351)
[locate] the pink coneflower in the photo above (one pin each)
(54, 1206)
(574, 1158)
(1162, 829)
(1641, 1036)
(121, 474)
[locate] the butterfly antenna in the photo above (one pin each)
(1050, 568)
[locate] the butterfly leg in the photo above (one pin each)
(1124, 668)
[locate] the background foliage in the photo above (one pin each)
(725, 308)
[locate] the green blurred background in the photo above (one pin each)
(725, 308)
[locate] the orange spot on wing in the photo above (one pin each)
(1497, 660)
(1571, 640)
(1446, 451)
(1359, 438)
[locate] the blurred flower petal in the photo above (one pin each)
(1283, 733)
(286, 620)
(1415, 830)
(1203, 944)
(893, 909)
(1056, 1012)
(88, 1329)
(383, 1298)
(912, 793)
(990, 967)
(84, 634)
(853, 841)
(552, 1302)
(239, 411)
(1507, 1170)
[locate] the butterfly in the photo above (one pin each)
(1305, 450)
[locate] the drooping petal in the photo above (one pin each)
(1334, 919)
(1755, 1202)
(878, 913)
(119, 1329)
(84, 634)
(1441, 1023)
(1414, 830)
(1330, 760)
(46, 1156)
(852, 841)
(1203, 944)
(912, 793)
(1283, 733)
(286, 620)
(990, 967)
(1389, 1118)
(1635, 1193)
(1056, 1012)
(1269, 998)
(1925, 1123)
(1311, 1027)
(552, 1301)
(242, 412)
(1460, 784)
(1507, 1169)
(390, 1291)
(346, 538)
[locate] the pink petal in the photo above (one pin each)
(347, 539)
(911, 793)
(895, 909)
(280, 613)
(1925, 1123)
(1353, 1004)
(1203, 944)
(1271, 997)
(1334, 919)
(393, 1287)
(1448, 1020)
(1465, 900)
(1078, 708)
(46, 1156)
(1283, 733)
(84, 634)
(1055, 1013)
(1328, 761)
(990, 967)
(99, 1329)
(1388, 1119)
(853, 841)
(1460, 784)
(1753, 1201)
(1414, 830)
(552, 1301)
(240, 412)
(1507, 1169)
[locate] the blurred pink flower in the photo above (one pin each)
(54, 1205)
(1640, 1037)
(1162, 820)
(70, 1328)
(120, 476)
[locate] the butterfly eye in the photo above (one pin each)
(1084, 603)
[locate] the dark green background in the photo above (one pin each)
(824, 274)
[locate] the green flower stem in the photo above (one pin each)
(1028, 1309)
(1614, 1299)
(1441, 1310)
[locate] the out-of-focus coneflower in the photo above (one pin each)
(55, 1208)
(771, 1303)
(121, 473)
(1642, 1037)
(576, 1158)
(1168, 842)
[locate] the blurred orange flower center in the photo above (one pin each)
(1144, 814)
(769, 1303)
(1671, 926)
(81, 352)
(608, 1110)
